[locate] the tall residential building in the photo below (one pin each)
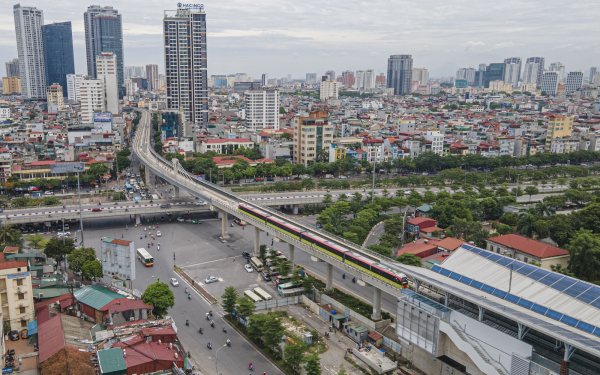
(73, 87)
(11, 85)
(494, 72)
(558, 67)
(331, 74)
(311, 78)
(380, 79)
(574, 81)
(185, 63)
(596, 80)
(54, 95)
(264, 80)
(465, 73)
(312, 137)
(530, 73)
(480, 76)
(421, 75)
(550, 82)
(359, 82)
(262, 109)
(329, 90)
(369, 79)
(348, 78)
(30, 48)
(559, 126)
(152, 76)
(12, 68)
(593, 70)
(399, 73)
(91, 92)
(513, 71)
(135, 71)
(540, 61)
(104, 33)
(58, 53)
(106, 70)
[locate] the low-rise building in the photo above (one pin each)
(528, 250)
(16, 297)
(223, 146)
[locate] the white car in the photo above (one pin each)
(248, 268)
(63, 234)
(174, 282)
(201, 203)
(49, 193)
(158, 234)
(180, 219)
(211, 279)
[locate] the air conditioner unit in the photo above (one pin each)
(132, 319)
(20, 305)
(19, 289)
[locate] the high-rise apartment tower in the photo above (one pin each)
(30, 49)
(399, 73)
(58, 53)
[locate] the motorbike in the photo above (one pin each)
(190, 296)
(224, 329)
(207, 317)
(200, 331)
(212, 324)
(187, 322)
(158, 247)
(354, 280)
(250, 367)
(344, 276)
(229, 343)
(209, 346)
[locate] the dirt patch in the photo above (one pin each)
(69, 361)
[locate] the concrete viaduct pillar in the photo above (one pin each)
(376, 316)
(176, 192)
(256, 241)
(292, 249)
(295, 209)
(329, 277)
(224, 225)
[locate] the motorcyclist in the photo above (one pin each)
(343, 276)
(228, 342)
(212, 323)
(250, 366)
(186, 290)
(187, 322)
(224, 329)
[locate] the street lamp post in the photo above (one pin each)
(373, 187)
(217, 359)
(517, 189)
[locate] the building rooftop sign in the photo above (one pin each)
(193, 7)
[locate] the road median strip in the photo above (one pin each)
(203, 292)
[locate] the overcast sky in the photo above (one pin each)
(296, 37)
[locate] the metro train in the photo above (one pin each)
(370, 266)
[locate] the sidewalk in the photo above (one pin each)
(337, 342)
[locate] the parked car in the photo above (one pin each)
(248, 268)
(211, 279)
(343, 177)
(246, 254)
(180, 219)
(49, 193)
(270, 179)
(235, 181)
(174, 282)
(259, 179)
(25, 334)
(96, 209)
(266, 276)
(14, 335)
(169, 213)
(158, 234)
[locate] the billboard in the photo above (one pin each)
(102, 117)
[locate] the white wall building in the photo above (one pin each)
(329, 90)
(106, 70)
(530, 74)
(92, 99)
(511, 73)
(118, 258)
(437, 141)
(359, 77)
(73, 87)
(262, 109)
(422, 75)
(558, 67)
(550, 82)
(574, 81)
(369, 79)
(30, 49)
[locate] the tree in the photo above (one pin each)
(313, 364)
(79, 257)
(351, 236)
(160, 296)
(245, 307)
(256, 326)
(327, 199)
(531, 190)
(285, 268)
(584, 260)
(55, 249)
(273, 331)
(36, 241)
(526, 224)
(309, 285)
(390, 240)
(262, 253)
(92, 269)
(8, 234)
(468, 231)
(294, 356)
(97, 169)
(229, 299)
(509, 218)
(308, 183)
(448, 211)
(409, 259)
(385, 251)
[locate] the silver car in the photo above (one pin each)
(211, 279)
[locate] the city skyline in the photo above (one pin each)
(244, 38)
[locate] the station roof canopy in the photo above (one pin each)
(538, 298)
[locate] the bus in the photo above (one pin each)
(257, 264)
(287, 286)
(291, 292)
(253, 297)
(282, 279)
(264, 295)
(145, 257)
(128, 187)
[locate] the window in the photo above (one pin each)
(22, 310)
(20, 282)
(21, 295)
(23, 323)
(526, 260)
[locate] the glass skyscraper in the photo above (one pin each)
(58, 53)
(400, 74)
(104, 33)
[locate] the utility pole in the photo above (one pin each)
(80, 215)
(373, 187)
(517, 189)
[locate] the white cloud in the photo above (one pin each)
(503, 45)
(473, 45)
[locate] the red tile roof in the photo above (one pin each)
(529, 246)
(51, 337)
(4, 265)
(420, 220)
(450, 243)
(124, 304)
(120, 242)
(235, 140)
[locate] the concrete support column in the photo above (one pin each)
(565, 364)
(482, 310)
(295, 209)
(446, 298)
(292, 250)
(376, 316)
(224, 225)
(329, 278)
(256, 241)
(148, 177)
(417, 285)
(176, 192)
